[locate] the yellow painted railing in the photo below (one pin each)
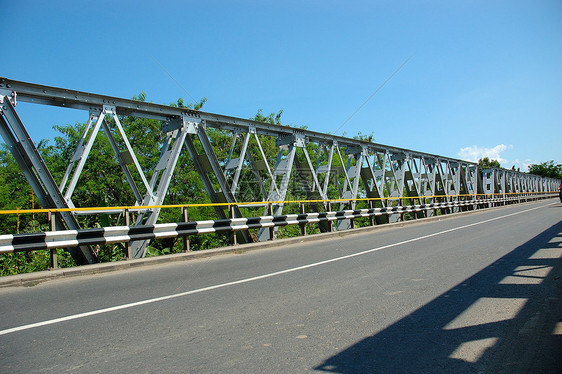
(253, 203)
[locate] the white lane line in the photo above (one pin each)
(247, 280)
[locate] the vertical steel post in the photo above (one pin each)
(330, 223)
(302, 225)
(127, 218)
(231, 215)
(272, 228)
(185, 237)
(53, 227)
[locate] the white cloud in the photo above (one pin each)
(475, 153)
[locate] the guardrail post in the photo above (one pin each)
(233, 239)
(330, 223)
(371, 214)
(302, 225)
(126, 215)
(185, 237)
(272, 228)
(52, 227)
(351, 220)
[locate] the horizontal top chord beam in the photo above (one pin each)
(54, 96)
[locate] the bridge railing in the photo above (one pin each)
(51, 240)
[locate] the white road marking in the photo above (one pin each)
(247, 280)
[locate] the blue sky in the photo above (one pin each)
(484, 78)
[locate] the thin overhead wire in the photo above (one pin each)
(172, 78)
(374, 93)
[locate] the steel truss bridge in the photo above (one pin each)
(324, 169)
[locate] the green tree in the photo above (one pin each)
(547, 169)
(365, 137)
(16, 194)
(485, 163)
(273, 118)
(101, 183)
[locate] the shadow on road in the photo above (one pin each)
(507, 318)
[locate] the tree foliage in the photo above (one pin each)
(102, 183)
(485, 163)
(547, 169)
(273, 118)
(365, 137)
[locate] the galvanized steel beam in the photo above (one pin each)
(304, 158)
(36, 172)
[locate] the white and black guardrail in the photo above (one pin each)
(120, 234)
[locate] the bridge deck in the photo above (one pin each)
(472, 293)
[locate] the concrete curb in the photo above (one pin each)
(32, 279)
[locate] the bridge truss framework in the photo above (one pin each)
(312, 165)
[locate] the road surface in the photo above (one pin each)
(479, 292)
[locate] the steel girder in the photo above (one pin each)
(496, 181)
(36, 172)
(309, 165)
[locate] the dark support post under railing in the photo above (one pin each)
(271, 229)
(233, 239)
(330, 223)
(185, 237)
(371, 217)
(351, 220)
(302, 225)
(52, 227)
(127, 223)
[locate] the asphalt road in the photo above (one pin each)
(475, 293)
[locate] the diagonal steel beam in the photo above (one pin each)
(30, 161)
(161, 178)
